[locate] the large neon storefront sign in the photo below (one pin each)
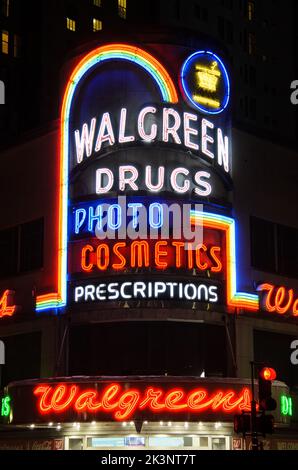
(122, 404)
(198, 135)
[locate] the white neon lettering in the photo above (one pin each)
(147, 137)
(123, 288)
(139, 288)
(79, 293)
(89, 293)
(207, 138)
(112, 289)
(105, 133)
(189, 131)
(223, 150)
(207, 188)
(160, 179)
(213, 293)
(85, 141)
(171, 130)
(100, 187)
(159, 288)
(174, 176)
(128, 180)
(122, 137)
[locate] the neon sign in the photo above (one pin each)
(139, 290)
(168, 125)
(6, 307)
(124, 403)
(286, 405)
(280, 300)
(168, 93)
(5, 406)
(80, 140)
(205, 82)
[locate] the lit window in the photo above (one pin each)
(122, 8)
(252, 44)
(97, 25)
(5, 7)
(16, 46)
(97, 3)
(71, 24)
(5, 42)
(251, 10)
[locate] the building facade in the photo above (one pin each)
(123, 327)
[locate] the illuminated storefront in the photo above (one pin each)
(142, 230)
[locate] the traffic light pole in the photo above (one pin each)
(253, 415)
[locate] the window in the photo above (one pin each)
(287, 251)
(97, 3)
(5, 8)
(5, 42)
(21, 248)
(97, 25)
(70, 24)
(122, 8)
(251, 10)
(31, 246)
(252, 44)
(200, 12)
(274, 247)
(8, 252)
(16, 46)
(263, 250)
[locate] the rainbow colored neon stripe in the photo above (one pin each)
(234, 299)
(168, 94)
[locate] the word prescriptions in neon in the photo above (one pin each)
(122, 403)
(188, 130)
(138, 290)
(280, 300)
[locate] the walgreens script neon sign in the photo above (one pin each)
(122, 403)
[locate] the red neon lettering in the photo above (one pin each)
(200, 265)
(151, 397)
(116, 249)
(172, 398)
(218, 267)
(87, 267)
(295, 308)
(127, 404)
(279, 299)
(138, 249)
(178, 246)
(108, 395)
(5, 310)
(122, 404)
(103, 257)
(85, 402)
(159, 253)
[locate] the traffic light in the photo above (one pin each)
(265, 424)
(266, 376)
(242, 423)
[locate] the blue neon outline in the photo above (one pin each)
(226, 79)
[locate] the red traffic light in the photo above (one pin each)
(267, 373)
